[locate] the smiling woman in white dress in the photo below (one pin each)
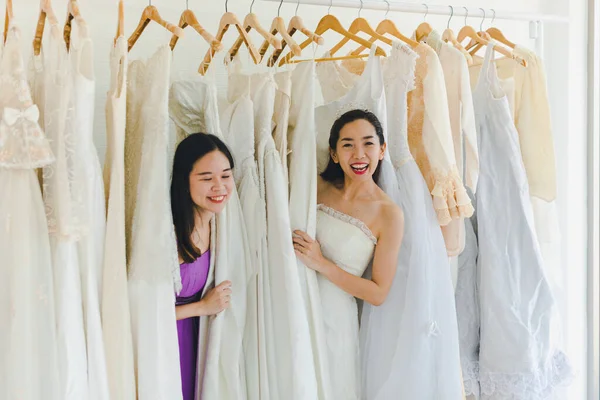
(357, 223)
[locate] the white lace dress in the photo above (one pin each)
(28, 336)
(283, 326)
(116, 319)
(91, 245)
(153, 252)
(517, 358)
(221, 362)
(302, 164)
(68, 219)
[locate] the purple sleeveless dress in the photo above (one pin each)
(193, 279)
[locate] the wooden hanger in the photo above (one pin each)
(296, 24)
(251, 22)
(278, 27)
(73, 13)
(449, 36)
(388, 26)
(150, 13)
(188, 18)
(227, 20)
(468, 31)
(46, 11)
(360, 25)
(121, 22)
(348, 57)
(8, 16)
(424, 29)
(329, 22)
(496, 34)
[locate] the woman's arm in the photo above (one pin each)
(216, 300)
(375, 290)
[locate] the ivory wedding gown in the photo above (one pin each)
(412, 336)
(116, 319)
(29, 362)
(66, 209)
(153, 248)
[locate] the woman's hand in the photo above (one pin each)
(308, 251)
(216, 300)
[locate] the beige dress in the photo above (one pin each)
(431, 144)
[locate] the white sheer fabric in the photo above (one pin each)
(91, 245)
(284, 327)
(153, 258)
(221, 363)
(302, 165)
(237, 122)
(517, 358)
(28, 343)
(68, 220)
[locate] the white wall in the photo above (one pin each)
(565, 61)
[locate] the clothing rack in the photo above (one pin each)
(536, 21)
(418, 8)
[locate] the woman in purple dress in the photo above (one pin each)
(201, 184)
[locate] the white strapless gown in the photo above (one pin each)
(347, 242)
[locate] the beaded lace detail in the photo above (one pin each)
(349, 219)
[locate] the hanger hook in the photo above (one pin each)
(493, 17)
(426, 11)
(451, 15)
(251, 5)
(226, 1)
(279, 8)
(388, 8)
(329, 8)
(481, 23)
(297, 5)
(360, 9)
(187, 4)
(466, 14)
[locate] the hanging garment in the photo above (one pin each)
(68, 218)
(281, 115)
(221, 365)
(430, 141)
(462, 123)
(284, 325)
(153, 250)
(28, 341)
(525, 88)
(460, 106)
(237, 122)
(193, 279)
(418, 318)
(516, 358)
(116, 317)
(421, 287)
(348, 243)
(91, 245)
(467, 306)
(302, 164)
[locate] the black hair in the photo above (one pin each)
(183, 208)
(333, 173)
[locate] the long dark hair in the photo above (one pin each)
(190, 150)
(333, 172)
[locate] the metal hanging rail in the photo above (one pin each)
(417, 8)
